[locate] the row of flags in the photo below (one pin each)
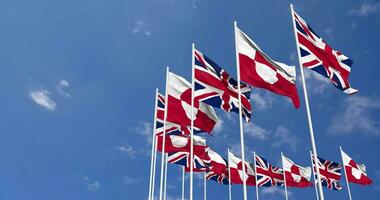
(260, 172)
(187, 108)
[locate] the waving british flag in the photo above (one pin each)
(268, 175)
(215, 87)
(317, 55)
(218, 168)
(330, 173)
(220, 178)
(171, 128)
(183, 158)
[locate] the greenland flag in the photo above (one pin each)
(179, 107)
(236, 168)
(295, 175)
(175, 143)
(356, 173)
(259, 70)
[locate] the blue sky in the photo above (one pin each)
(78, 80)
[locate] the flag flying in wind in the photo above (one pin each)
(236, 171)
(356, 173)
(295, 175)
(179, 107)
(171, 128)
(330, 173)
(174, 143)
(317, 55)
(215, 87)
(218, 168)
(268, 175)
(259, 70)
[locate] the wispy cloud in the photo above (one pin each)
(41, 97)
(130, 181)
(262, 100)
(127, 149)
(218, 126)
(316, 82)
(145, 129)
(274, 191)
(355, 114)
(256, 131)
(91, 186)
(366, 8)
(141, 27)
(61, 86)
(283, 137)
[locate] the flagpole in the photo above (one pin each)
(192, 122)
(240, 115)
(154, 167)
(166, 175)
(286, 189)
(164, 134)
(229, 175)
(312, 168)
(204, 186)
(183, 183)
(152, 173)
(254, 164)
(345, 174)
(314, 148)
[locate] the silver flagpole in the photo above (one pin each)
(229, 175)
(164, 134)
(192, 122)
(204, 186)
(314, 148)
(254, 164)
(240, 114)
(183, 183)
(312, 168)
(166, 175)
(286, 189)
(152, 173)
(345, 174)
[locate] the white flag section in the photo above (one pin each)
(356, 173)
(296, 175)
(179, 107)
(236, 170)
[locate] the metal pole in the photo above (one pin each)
(204, 186)
(229, 176)
(257, 186)
(310, 123)
(345, 174)
(183, 183)
(312, 168)
(151, 189)
(286, 189)
(192, 122)
(166, 175)
(164, 134)
(240, 114)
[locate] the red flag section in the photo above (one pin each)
(356, 173)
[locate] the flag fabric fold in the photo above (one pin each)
(236, 171)
(259, 70)
(296, 175)
(179, 107)
(215, 87)
(318, 56)
(218, 168)
(330, 173)
(356, 173)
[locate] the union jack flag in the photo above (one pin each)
(317, 55)
(183, 158)
(220, 178)
(215, 87)
(330, 173)
(268, 175)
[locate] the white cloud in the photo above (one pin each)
(127, 149)
(355, 114)
(91, 186)
(262, 100)
(315, 82)
(218, 126)
(283, 137)
(145, 129)
(130, 180)
(255, 131)
(61, 86)
(141, 27)
(366, 8)
(274, 191)
(41, 98)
